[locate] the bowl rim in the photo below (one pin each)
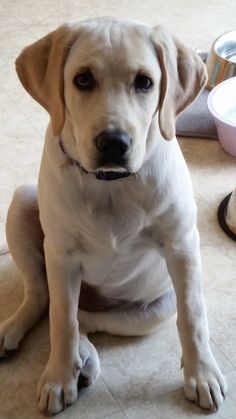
(214, 51)
(210, 102)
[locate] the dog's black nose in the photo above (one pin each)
(113, 144)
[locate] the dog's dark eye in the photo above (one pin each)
(142, 83)
(85, 80)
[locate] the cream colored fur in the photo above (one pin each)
(131, 238)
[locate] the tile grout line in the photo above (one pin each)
(19, 20)
(3, 89)
(107, 387)
(24, 113)
(152, 399)
(41, 20)
(226, 356)
(123, 409)
(118, 411)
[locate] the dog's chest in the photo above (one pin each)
(112, 221)
(115, 247)
(107, 230)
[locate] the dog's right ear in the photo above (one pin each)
(40, 68)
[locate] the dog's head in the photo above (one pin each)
(106, 83)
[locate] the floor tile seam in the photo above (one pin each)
(122, 407)
(219, 347)
(32, 125)
(110, 391)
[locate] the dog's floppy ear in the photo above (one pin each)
(40, 69)
(183, 77)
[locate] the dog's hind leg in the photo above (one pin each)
(25, 240)
(130, 322)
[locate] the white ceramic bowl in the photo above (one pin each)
(222, 105)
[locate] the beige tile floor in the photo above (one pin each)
(140, 377)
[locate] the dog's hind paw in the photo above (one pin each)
(10, 336)
(90, 362)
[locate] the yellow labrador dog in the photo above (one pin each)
(112, 223)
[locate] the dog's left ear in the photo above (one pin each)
(40, 68)
(183, 77)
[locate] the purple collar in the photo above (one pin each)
(99, 175)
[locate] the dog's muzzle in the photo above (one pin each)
(100, 175)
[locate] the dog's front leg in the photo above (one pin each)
(204, 382)
(58, 384)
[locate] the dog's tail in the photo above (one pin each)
(4, 249)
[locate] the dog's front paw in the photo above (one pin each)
(58, 386)
(204, 383)
(10, 336)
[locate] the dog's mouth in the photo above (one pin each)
(111, 172)
(105, 174)
(110, 175)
